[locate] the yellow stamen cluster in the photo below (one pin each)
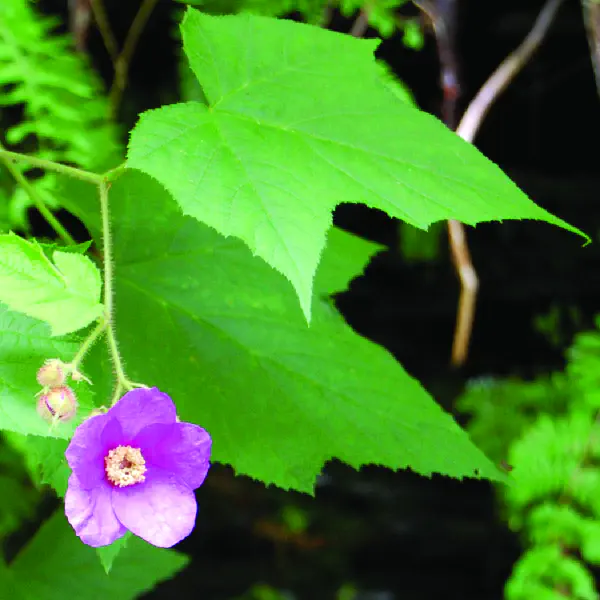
(125, 466)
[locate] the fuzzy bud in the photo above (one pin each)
(58, 404)
(52, 373)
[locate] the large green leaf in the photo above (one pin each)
(55, 565)
(45, 459)
(345, 257)
(25, 344)
(64, 293)
(220, 331)
(46, 464)
(298, 121)
(8, 585)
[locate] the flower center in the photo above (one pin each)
(125, 466)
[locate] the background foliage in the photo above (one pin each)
(209, 307)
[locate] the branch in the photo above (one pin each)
(124, 59)
(108, 37)
(467, 129)
(361, 24)
(506, 72)
(38, 201)
(443, 16)
(591, 17)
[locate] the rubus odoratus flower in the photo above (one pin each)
(135, 467)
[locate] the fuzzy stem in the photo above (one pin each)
(88, 343)
(38, 201)
(50, 165)
(114, 350)
(114, 174)
(108, 281)
(108, 287)
(107, 251)
(122, 381)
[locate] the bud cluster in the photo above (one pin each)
(57, 401)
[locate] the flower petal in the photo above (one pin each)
(162, 510)
(91, 514)
(180, 448)
(142, 407)
(85, 453)
(111, 437)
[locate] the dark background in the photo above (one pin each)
(396, 535)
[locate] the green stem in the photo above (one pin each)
(108, 289)
(114, 174)
(122, 381)
(107, 251)
(88, 343)
(50, 165)
(38, 201)
(118, 363)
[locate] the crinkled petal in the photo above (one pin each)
(142, 407)
(161, 510)
(91, 514)
(85, 453)
(180, 448)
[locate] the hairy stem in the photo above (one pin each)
(108, 287)
(88, 343)
(115, 173)
(123, 383)
(50, 165)
(107, 251)
(38, 201)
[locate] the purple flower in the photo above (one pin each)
(135, 468)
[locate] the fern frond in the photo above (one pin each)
(381, 14)
(551, 430)
(545, 573)
(584, 368)
(502, 410)
(65, 116)
(560, 523)
(548, 462)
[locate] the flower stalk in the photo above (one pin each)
(103, 182)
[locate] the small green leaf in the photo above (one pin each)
(26, 344)
(55, 565)
(48, 456)
(44, 459)
(298, 121)
(107, 554)
(224, 336)
(65, 294)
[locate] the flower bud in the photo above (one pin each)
(58, 404)
(52, 373)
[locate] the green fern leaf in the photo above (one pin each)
(65, 114)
